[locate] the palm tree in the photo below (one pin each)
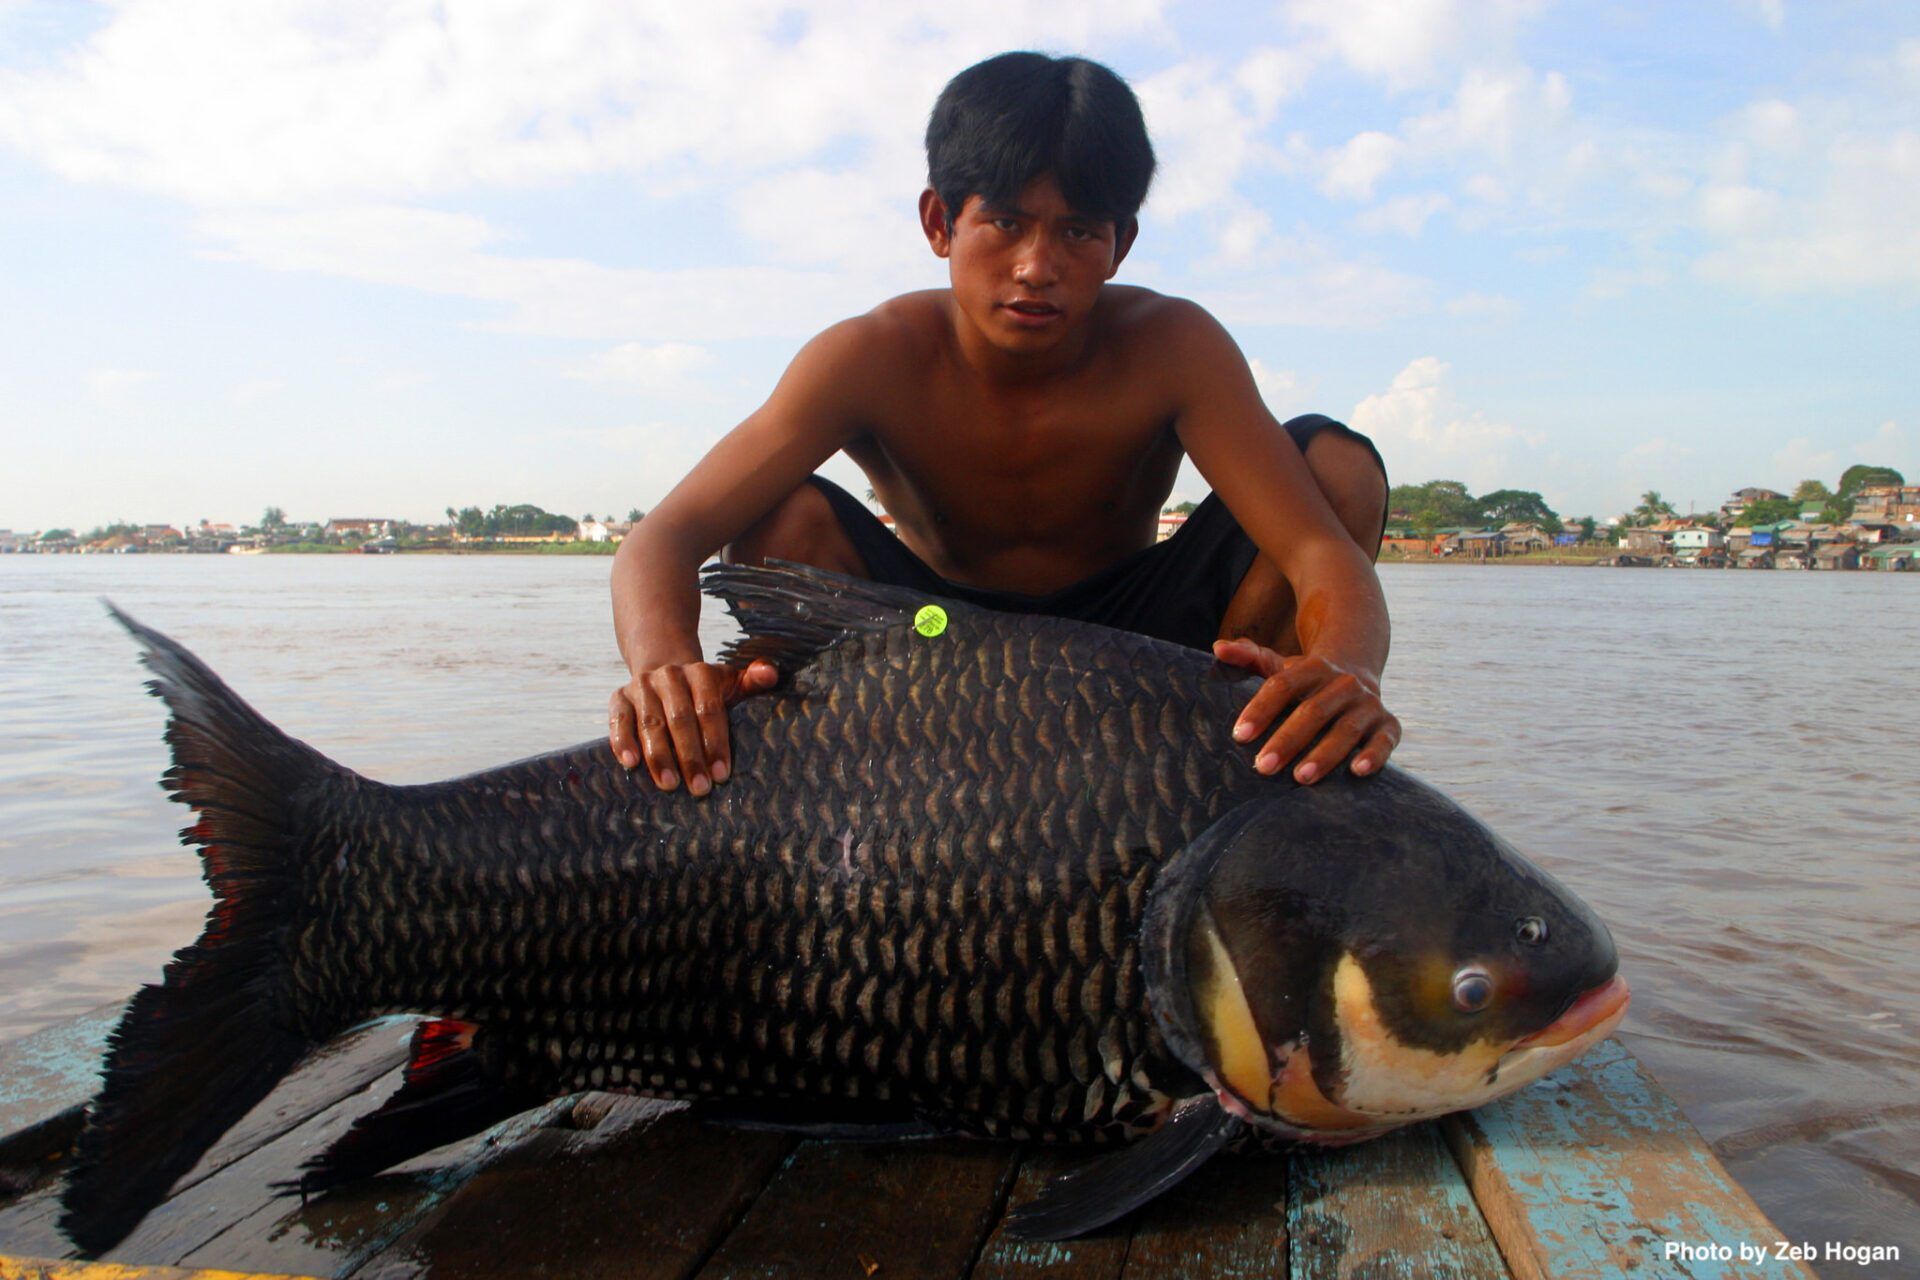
(1652, 507)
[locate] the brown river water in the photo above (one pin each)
(1726, 765)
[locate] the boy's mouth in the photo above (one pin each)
(1032, 309)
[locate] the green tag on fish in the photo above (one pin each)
(930, 621)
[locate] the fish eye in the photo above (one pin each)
(1472, 990)
(1531, 930)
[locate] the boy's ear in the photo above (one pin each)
(1123, 238)
(934, 222)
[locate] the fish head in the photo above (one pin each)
(1340, 960)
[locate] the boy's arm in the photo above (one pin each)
(672, 712)
(1340, 616)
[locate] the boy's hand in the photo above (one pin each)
(674, 716)
(1338, 706)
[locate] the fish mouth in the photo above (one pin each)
(1588, 1019)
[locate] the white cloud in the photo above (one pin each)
(1406, 215)
(645, 367)
(1423, 433)
(1847, 223)
(1405, 42)
(1491, 111)
(1279, 388)
(1771, 12)
(445, 254)
(224, 102)
(1354, 168)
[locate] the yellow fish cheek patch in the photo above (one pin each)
(1239, 1054)
(1387, 1079)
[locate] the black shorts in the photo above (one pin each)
(1175, 590)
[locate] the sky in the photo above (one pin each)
(382, 257)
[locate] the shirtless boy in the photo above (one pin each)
(1024, 427)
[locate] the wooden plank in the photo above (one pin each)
(893, 1210)
(52, 1269)
(336, 1233)
(1594, 1172)
(646, 1193)
(49, 1073)
(31, 1226)
(1228, 1219)
(1099, 1256)
(1394, 1207)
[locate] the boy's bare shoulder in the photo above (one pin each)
(1141, 312)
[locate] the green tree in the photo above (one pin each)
(1586, 528)
(56, 535)
(635, 515)
(1810, 491)
(273, 519)
(1860, 475)
(471, 522)
(1432, 505)
(1769, 511)
(1506, 506)
(1180, 509)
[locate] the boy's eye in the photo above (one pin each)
(1006, 224)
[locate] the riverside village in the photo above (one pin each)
(1869, 521)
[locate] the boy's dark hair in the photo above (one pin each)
(1002, 123)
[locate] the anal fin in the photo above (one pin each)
(1078, 1202)
(447, 1094)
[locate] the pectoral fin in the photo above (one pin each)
(1078, 1202)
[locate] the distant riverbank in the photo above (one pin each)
(486, 549)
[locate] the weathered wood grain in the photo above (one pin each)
(1594, 1171)
(1397, 1207)
(336, 1233)
(1228, 1219)
(52, 1269)
(646, 1193)
(898, 1211)
(31, 1226)
(45, 1080)
(1099, 1256)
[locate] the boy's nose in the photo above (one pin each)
(1035, 268)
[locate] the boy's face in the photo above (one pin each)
(1028, 273)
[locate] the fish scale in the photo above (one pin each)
(924, 884)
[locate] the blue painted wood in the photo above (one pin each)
(1594, 1172)
(53, 1070)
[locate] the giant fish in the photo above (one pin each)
(976, 872)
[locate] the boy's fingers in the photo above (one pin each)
(655, 746)
(683, 727)
(710, 710)
(1371, 757)
(1267, 703)
(760, 674)
(1299, 729)
(620, 730)
(1246, 653)
(1335, 745)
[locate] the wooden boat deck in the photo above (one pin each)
(1587, 1174)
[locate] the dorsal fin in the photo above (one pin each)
(792, 612)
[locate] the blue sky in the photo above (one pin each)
(376, 258)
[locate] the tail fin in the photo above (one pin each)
(194, 1054)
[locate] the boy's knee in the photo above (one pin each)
(1348, 472)
(802, 528)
